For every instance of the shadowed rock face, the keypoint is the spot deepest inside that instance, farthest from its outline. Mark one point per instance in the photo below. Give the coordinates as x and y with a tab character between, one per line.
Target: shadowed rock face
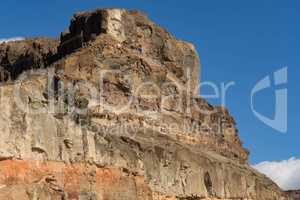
19	56
114	116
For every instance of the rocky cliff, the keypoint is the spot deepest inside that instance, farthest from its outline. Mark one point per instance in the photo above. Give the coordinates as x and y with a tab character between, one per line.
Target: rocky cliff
293	194
111	112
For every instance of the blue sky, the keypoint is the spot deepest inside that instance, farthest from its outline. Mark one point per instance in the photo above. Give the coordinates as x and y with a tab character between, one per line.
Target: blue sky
240	41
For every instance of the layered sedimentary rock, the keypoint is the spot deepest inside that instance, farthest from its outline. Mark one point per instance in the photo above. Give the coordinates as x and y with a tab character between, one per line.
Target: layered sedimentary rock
111	112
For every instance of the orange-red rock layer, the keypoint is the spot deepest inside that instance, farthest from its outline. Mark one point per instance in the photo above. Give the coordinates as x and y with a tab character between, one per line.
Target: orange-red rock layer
24	180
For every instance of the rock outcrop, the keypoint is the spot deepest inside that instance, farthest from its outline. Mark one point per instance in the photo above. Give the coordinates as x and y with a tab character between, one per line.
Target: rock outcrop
111	112
19	56
293	194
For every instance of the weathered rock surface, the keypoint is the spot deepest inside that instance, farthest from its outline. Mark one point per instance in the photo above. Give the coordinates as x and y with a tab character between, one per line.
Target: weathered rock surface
293	194
19	56
114	115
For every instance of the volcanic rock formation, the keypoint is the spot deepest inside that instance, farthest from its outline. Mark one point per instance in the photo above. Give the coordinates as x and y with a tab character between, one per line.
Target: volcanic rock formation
110	112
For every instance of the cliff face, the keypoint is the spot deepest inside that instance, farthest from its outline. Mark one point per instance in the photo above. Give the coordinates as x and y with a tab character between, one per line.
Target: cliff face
18	56
293	194
110	112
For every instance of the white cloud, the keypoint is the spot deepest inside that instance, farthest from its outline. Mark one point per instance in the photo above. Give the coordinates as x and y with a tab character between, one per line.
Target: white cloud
10	39
285	173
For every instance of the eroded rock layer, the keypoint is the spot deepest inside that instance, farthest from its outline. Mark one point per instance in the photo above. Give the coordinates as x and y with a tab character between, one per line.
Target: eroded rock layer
112	114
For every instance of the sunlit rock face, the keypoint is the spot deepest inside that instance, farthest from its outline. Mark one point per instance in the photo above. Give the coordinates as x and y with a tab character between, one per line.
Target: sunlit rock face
110	112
